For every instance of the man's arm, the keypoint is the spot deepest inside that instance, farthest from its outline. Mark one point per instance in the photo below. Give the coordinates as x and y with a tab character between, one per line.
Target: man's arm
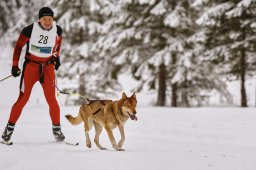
56	59
22	40
59	41
18	47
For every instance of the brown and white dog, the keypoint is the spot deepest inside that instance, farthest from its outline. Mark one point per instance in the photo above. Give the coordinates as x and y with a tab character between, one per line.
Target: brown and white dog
108	114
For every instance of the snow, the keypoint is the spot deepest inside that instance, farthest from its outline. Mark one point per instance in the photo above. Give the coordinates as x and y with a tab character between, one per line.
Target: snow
83	50
94	6
150	2
172	20
236	12
245	3
207	18
159	9
199	3
162	138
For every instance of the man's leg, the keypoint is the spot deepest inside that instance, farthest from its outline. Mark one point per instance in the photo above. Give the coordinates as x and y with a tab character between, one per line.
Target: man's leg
49	93
54	109
27	82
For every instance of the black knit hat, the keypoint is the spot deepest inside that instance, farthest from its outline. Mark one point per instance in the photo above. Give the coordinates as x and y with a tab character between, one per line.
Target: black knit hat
45	11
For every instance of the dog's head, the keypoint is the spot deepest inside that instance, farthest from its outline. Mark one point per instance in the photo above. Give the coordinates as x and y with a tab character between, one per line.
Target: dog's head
129	106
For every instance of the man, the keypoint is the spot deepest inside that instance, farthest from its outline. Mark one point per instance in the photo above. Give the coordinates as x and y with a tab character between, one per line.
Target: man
43	39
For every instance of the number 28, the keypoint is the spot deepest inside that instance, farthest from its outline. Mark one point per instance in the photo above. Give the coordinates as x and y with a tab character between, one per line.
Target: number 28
43	39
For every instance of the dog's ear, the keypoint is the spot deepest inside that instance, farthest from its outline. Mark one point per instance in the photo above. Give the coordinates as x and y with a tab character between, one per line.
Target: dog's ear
133	95
124	96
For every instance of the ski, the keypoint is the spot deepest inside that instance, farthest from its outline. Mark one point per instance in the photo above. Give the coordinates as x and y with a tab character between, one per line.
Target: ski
72	144
6	143
65	142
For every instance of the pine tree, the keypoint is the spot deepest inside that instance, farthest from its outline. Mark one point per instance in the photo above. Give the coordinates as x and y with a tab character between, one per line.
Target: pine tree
81	22
151	40
229	26
14	15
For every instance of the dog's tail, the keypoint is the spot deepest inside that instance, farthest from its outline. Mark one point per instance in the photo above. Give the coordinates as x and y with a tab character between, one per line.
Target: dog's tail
74	120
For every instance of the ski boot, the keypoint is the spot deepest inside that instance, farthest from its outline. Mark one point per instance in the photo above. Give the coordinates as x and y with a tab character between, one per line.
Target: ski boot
6	136
58	135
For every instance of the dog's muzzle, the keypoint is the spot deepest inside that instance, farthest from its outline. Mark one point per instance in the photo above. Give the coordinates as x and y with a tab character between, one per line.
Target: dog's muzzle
133	117
129	113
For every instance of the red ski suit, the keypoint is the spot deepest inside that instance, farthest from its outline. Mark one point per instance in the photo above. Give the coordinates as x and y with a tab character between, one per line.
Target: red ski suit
35	68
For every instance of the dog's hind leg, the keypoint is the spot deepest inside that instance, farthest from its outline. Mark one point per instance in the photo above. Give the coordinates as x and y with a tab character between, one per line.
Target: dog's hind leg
121	129
98	130
87	127
112	139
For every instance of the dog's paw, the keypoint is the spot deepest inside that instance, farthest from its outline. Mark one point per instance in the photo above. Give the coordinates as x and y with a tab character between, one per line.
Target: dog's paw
117	148
120	145
89	145
103	148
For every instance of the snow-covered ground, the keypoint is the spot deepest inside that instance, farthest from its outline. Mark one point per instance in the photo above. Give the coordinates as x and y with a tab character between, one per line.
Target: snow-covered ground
162	138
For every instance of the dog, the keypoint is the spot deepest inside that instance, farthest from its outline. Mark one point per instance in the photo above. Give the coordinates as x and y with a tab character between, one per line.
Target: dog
108	114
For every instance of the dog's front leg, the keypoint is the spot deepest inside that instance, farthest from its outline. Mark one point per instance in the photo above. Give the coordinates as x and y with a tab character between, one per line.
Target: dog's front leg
121	129
112	139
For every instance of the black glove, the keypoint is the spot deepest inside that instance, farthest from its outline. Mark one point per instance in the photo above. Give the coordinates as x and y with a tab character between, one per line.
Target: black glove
56	62
15	71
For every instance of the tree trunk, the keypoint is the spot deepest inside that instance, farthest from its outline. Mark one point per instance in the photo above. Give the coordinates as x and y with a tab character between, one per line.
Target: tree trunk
174	86
243	74
184	95
82	89
174	95
161	86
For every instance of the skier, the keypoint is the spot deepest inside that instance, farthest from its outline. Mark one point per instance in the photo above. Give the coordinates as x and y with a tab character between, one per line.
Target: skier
43	39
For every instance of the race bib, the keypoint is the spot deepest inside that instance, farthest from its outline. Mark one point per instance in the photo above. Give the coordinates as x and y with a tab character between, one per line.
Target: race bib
42	41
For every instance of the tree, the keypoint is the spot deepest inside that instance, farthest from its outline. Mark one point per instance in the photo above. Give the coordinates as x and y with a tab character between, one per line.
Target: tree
142	36
14	15
229	27
81	22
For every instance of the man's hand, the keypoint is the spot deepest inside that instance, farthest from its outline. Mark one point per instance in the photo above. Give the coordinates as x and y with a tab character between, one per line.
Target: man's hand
15	71
56	62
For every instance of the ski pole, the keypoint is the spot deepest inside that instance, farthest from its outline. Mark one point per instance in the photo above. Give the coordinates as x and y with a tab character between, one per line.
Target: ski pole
6	78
